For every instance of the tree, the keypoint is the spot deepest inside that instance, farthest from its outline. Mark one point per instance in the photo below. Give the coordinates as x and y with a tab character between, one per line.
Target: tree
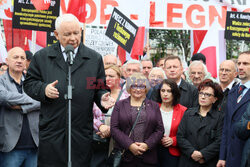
175	40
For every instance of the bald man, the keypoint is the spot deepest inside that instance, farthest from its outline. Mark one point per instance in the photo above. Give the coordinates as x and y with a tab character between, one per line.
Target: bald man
19	115
227	77
110	60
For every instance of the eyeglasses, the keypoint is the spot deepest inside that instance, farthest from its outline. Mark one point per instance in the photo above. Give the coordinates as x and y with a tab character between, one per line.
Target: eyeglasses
138	86
205	94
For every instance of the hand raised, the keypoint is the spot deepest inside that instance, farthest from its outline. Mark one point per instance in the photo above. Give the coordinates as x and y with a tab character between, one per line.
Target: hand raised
51	91
107	101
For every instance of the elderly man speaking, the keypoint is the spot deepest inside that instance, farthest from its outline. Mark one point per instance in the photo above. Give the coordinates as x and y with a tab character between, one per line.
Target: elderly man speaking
47	80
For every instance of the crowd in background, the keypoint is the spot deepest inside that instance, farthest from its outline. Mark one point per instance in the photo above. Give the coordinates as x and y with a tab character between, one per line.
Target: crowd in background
183	118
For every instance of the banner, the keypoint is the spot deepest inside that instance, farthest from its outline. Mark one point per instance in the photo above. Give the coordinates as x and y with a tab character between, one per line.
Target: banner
35	14
238	26
121	30
96	39
167	14
162	14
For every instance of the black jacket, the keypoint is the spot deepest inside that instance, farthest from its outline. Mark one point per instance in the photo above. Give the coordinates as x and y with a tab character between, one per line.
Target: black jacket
202	134
189	94
47	66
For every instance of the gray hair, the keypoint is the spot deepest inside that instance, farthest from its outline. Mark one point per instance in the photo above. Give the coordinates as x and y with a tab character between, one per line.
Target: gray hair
65	18
132	61
158	68
207	74
196	63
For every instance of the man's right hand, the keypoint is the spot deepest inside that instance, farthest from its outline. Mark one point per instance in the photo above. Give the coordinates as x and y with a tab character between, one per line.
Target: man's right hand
51	91
221	163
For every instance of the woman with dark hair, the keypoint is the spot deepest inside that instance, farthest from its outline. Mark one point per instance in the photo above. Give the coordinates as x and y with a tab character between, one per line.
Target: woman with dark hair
172	112
199	133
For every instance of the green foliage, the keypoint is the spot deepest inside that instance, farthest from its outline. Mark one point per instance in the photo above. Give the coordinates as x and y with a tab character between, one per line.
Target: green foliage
234	47
175	40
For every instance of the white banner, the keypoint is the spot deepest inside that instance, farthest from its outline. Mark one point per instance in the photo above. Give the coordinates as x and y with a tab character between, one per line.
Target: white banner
96	39
167	14
164	14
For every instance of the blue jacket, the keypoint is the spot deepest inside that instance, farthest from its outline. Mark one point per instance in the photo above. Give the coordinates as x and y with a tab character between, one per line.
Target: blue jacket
240	129
232	146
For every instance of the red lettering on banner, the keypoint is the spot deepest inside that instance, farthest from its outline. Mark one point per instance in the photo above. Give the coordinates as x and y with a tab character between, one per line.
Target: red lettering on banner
198	17
152	22
93	11
104	3
171	15
214	13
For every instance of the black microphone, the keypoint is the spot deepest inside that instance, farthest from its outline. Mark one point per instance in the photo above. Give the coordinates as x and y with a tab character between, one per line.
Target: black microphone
69	50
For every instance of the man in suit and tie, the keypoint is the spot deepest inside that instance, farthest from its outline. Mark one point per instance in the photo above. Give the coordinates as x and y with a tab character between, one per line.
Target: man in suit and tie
47	81
19	116
237	102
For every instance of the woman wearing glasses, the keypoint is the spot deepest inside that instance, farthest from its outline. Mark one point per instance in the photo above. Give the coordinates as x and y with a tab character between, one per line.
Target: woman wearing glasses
199	133
172	112
139	144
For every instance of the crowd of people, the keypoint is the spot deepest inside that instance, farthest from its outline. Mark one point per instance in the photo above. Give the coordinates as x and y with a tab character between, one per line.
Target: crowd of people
162	116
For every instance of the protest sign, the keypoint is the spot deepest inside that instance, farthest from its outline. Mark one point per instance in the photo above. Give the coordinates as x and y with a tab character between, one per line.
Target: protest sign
238	26
35	14
121	30
96	39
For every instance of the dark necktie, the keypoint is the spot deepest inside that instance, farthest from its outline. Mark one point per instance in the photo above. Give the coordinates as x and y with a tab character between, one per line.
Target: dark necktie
241	88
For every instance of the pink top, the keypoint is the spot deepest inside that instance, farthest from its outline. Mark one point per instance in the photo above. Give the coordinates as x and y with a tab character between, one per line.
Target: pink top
99	117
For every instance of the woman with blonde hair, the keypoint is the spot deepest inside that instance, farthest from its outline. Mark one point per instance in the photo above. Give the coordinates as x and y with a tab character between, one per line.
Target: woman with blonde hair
101	135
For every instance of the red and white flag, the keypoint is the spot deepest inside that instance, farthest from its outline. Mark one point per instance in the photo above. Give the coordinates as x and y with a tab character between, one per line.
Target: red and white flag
212	44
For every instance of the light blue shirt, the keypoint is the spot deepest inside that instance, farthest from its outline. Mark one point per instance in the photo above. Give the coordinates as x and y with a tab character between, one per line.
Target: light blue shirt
247	85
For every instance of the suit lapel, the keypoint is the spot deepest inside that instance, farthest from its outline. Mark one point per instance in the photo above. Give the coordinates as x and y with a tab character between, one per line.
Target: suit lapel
59	60
9	84
148	107
244	100
126	106
80	57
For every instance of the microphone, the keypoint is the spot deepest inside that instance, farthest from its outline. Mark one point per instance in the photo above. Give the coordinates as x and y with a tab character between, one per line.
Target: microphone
69	50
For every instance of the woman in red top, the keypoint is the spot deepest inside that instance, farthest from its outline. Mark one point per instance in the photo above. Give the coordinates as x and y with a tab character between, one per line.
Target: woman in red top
172	112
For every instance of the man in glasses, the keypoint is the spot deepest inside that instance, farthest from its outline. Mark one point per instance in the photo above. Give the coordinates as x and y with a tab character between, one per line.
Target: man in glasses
238	99
227	77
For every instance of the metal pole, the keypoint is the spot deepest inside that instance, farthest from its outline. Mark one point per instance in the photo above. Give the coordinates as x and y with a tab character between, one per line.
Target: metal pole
69	97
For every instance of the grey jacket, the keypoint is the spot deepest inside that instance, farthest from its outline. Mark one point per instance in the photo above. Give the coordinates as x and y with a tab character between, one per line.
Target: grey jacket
11	120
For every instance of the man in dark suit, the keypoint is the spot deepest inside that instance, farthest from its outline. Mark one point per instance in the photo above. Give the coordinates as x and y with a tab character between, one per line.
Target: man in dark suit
238	98
227	77
242	130
173	69
47	82
19	116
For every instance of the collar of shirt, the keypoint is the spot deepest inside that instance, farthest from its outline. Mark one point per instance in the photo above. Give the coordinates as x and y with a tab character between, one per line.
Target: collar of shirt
12	79
178	84
229	86
209	113
247	85
64	54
